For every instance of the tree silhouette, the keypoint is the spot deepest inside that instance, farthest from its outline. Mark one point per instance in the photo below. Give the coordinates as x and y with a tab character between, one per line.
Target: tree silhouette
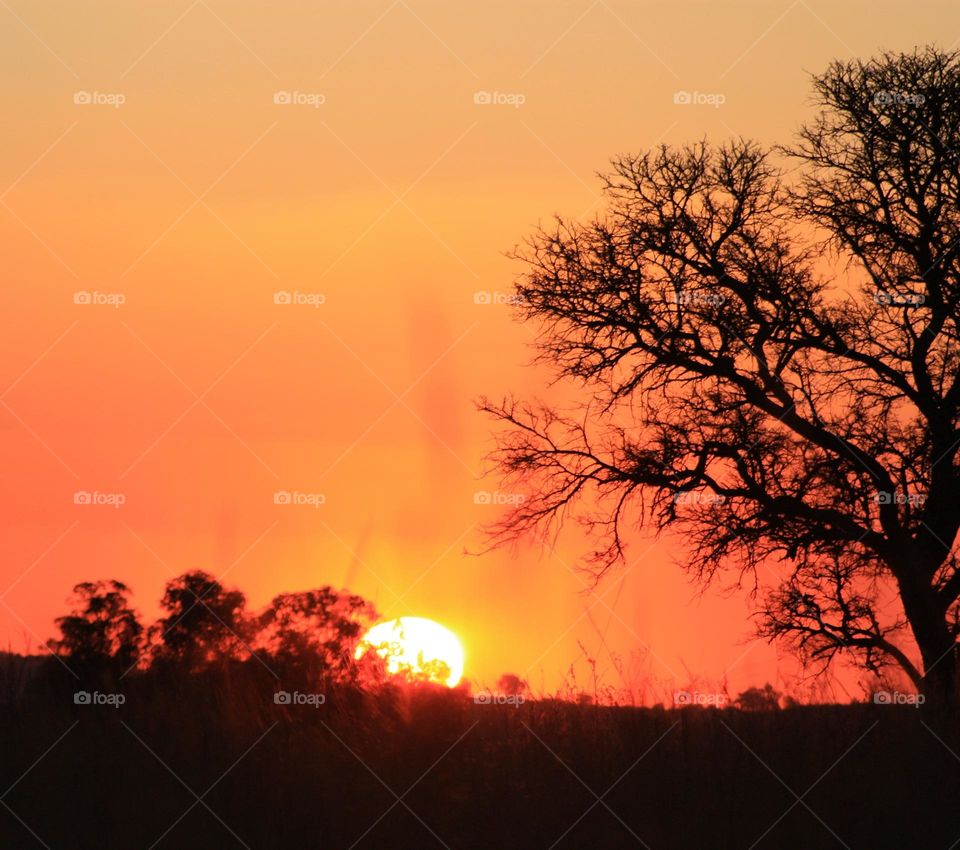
741	390
204	622
103	630
766	698
512	685
316	629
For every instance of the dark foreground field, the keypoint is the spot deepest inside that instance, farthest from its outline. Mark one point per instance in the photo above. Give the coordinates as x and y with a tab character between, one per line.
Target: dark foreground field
213	762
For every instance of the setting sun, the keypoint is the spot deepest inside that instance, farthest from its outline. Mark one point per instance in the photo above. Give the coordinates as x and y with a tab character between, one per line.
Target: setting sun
416	648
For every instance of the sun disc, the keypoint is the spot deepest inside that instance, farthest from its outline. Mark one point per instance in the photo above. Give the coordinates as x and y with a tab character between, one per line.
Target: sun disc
417	648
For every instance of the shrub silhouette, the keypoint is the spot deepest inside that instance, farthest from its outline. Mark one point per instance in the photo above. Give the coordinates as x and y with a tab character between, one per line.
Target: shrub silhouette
512	685
766	698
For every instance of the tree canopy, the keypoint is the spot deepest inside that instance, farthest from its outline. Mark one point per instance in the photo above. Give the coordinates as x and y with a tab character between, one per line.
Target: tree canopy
767	346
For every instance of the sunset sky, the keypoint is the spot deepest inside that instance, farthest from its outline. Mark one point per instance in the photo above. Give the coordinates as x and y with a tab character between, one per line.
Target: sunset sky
149	153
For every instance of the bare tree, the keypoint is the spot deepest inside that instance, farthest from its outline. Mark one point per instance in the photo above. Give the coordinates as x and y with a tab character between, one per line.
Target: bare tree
774	408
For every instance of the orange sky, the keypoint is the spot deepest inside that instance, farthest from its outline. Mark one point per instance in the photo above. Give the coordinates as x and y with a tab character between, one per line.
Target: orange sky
199	197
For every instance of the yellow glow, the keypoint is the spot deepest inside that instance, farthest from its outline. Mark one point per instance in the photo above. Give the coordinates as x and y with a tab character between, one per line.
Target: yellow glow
417	648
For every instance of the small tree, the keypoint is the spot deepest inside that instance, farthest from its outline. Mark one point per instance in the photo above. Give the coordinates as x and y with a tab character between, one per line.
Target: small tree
512	685
740	393
204	622
766	698
102	630
316	629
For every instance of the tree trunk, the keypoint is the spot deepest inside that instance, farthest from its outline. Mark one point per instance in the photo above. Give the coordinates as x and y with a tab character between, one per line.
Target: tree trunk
938	649
940	677
927	615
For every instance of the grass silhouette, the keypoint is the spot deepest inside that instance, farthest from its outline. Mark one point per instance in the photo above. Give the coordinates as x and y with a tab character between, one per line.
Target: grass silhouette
211	760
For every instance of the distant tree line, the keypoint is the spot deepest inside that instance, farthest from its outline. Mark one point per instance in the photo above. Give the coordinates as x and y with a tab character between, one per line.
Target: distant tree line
313	633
